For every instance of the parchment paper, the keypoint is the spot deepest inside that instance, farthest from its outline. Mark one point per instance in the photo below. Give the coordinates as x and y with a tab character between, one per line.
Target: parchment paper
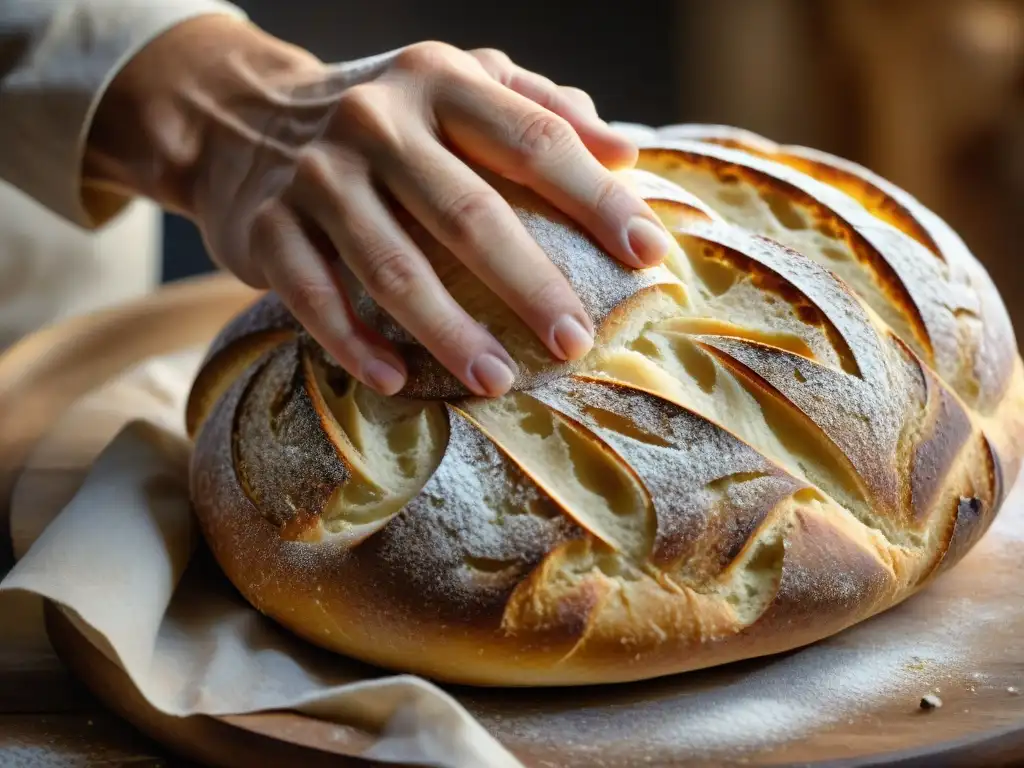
116	548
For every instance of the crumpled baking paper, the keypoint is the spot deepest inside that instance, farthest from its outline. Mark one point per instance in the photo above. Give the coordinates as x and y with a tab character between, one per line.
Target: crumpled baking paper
114	543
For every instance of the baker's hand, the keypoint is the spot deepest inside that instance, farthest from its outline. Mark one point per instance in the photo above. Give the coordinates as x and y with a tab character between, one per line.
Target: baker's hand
287	165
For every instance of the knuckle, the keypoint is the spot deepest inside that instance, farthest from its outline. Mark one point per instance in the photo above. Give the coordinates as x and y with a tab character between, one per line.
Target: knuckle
449	331
495	55
390	273
358	102
427	57
543	133
312	168
472	213
496	63
362	111
264	222
308	296
578	96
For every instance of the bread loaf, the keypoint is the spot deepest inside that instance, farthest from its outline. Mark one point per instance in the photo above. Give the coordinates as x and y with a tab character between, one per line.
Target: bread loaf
806	414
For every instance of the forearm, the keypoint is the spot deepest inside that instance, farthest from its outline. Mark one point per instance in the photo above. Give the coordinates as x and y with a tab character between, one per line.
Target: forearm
57	58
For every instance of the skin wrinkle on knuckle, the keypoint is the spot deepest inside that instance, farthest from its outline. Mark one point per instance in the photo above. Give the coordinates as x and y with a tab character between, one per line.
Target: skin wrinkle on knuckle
308	296
472	217
542	135
389	274
450	332
609	194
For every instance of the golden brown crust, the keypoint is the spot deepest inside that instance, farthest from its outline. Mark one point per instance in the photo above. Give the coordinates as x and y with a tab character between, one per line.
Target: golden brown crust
265	325
995	352
757	454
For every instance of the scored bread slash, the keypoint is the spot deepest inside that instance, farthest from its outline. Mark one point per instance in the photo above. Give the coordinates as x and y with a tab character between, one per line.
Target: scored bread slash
797	421
990	345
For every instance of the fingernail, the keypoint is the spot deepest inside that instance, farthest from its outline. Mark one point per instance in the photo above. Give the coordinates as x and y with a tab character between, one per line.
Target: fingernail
571	338
492	374
383	377
648	242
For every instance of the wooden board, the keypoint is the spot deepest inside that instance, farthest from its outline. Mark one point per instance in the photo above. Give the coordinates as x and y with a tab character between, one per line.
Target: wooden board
981	722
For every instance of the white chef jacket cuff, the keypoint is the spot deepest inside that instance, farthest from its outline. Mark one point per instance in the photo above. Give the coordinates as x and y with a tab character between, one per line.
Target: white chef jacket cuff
48	100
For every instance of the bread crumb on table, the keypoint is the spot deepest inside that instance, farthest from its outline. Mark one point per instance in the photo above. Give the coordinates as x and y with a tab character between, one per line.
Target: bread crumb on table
930	701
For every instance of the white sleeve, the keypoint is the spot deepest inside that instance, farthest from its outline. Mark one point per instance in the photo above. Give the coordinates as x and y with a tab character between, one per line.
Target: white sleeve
57	57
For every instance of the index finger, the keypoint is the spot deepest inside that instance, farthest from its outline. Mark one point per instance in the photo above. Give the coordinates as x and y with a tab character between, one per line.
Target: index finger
610	147
517	138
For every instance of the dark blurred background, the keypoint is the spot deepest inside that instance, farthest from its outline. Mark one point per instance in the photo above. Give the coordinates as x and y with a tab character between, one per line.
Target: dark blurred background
929	93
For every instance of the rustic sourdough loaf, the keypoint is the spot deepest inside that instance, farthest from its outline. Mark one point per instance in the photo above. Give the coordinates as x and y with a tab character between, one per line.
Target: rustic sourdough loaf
807	413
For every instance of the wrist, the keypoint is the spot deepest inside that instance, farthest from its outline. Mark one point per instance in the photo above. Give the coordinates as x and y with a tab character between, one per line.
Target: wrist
153	127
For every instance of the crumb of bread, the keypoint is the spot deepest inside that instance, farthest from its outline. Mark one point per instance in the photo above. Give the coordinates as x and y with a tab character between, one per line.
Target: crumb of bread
930	701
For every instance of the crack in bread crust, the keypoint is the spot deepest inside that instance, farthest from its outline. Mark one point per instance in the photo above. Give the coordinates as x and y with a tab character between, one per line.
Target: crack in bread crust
973	293
799	420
